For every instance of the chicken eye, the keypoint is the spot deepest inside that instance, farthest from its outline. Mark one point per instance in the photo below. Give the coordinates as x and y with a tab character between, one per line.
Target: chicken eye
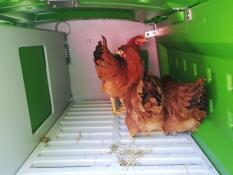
122	52
141	39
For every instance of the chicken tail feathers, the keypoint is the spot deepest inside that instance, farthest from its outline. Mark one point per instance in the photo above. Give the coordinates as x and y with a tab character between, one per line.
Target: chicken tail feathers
104	41
200	98
186	99
98	52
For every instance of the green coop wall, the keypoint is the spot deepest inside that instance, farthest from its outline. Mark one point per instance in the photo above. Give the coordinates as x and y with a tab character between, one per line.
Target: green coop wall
203	47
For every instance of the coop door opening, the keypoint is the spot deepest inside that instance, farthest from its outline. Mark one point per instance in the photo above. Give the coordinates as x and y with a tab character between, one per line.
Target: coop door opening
33	65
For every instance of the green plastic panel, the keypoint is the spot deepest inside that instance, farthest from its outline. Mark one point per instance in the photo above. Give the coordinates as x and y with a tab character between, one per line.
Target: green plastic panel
163	55
203	47
86	13
31	12
177	17
36	84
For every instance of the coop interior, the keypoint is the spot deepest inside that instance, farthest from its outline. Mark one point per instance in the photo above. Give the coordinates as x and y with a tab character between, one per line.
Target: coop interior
56	120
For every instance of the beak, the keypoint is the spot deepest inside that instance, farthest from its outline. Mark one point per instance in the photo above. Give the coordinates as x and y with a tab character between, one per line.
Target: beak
145	40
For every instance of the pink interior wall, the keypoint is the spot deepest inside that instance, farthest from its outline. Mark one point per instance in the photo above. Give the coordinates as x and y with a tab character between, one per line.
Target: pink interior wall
82	41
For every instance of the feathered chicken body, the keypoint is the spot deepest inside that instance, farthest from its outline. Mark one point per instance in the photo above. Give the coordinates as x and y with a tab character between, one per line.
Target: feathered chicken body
131	52
165	106
185	105
144	104
117	71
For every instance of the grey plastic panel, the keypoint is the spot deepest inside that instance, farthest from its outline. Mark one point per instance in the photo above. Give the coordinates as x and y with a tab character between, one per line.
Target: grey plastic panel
15	128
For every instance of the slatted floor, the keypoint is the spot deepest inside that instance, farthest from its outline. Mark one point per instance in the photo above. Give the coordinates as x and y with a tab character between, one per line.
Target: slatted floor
89	140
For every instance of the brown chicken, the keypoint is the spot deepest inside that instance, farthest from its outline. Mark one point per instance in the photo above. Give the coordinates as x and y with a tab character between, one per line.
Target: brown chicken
118	71
185	105
131	52
165	106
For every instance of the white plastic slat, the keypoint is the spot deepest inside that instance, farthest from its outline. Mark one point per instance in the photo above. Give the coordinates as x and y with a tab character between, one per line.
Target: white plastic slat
89	112
92	109
104	149
87	128
124	133
148	141
164	149
66	161
89	140
74	151
88	118
84	135
86	123
89	106
76	142
168	159
148	170
87	102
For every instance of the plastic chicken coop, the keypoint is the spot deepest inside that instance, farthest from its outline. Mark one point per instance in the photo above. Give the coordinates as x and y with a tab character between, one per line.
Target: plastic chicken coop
54	118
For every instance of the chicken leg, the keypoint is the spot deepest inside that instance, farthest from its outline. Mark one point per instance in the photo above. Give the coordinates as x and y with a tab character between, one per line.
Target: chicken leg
121	109
118	107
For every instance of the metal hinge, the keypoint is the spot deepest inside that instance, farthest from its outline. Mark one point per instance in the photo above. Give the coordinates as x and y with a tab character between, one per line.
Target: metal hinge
67	53
63	3
152	33
188	14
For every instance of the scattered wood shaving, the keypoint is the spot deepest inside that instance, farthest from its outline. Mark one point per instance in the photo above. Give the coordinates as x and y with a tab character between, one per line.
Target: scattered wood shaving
114	148
127	156
44	139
